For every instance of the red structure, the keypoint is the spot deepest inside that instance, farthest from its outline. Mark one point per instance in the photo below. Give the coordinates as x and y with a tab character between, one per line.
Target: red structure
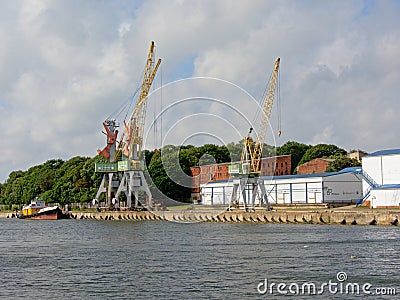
111	139
315	166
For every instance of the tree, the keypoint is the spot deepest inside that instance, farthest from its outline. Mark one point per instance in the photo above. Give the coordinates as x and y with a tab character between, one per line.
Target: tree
148	155
163	163
75	180
169	168
322	151
219	153
235	150
341	163
295	149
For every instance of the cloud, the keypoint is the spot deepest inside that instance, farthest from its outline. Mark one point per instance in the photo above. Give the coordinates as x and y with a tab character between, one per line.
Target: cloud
68	65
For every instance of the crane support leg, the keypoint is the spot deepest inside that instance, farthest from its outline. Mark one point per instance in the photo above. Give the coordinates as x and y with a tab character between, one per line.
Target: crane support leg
253	195
132	182
144	187
107	186
234	201
264	195
243	183
102	187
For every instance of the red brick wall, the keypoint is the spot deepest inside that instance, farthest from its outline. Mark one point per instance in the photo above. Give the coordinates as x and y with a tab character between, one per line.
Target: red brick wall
275	166
317	165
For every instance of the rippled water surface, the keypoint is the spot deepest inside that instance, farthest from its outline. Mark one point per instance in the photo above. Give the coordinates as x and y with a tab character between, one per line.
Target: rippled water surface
71	259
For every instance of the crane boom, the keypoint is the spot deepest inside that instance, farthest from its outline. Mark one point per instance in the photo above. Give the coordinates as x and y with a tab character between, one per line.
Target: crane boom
138	117
125	174
253	151
133	130
247	174
262	129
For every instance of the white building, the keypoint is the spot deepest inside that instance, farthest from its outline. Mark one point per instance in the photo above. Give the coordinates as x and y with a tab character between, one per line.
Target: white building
381	183
337	187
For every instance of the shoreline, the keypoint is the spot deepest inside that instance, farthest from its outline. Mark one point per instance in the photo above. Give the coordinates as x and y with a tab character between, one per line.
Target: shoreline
338	217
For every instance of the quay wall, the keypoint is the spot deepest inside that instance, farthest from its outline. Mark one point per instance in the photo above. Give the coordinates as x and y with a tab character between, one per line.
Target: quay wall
367	217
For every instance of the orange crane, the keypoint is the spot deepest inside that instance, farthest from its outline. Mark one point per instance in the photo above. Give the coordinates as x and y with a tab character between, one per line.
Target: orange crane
126	175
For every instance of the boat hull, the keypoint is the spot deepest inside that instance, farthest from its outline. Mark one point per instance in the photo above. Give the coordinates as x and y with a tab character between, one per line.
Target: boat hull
55	214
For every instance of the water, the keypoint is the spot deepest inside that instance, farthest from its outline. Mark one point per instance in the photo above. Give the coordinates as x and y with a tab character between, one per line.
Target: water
71	259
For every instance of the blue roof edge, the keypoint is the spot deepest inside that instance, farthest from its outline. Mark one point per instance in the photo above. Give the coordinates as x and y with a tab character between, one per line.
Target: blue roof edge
387	186
354	170
385	152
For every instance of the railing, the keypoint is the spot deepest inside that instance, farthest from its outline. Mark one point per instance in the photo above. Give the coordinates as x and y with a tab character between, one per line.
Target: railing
372	185
365	196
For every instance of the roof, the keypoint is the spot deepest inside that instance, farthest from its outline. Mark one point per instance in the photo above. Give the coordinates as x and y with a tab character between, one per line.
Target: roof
388	186
346	170
238	162
385	152
354	170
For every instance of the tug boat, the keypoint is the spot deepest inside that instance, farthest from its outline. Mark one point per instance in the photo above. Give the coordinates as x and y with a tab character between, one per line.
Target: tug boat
39	210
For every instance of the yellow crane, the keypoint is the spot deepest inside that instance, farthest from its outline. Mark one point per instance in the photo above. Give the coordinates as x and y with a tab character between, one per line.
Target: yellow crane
124	170
132	138
249	168
252	152
132	164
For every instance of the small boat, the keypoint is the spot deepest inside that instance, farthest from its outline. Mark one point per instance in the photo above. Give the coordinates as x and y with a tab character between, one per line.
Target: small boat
39	210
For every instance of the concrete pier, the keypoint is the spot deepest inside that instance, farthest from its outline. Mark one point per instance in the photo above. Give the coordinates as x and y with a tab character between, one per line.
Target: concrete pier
345	217
361	217
7	215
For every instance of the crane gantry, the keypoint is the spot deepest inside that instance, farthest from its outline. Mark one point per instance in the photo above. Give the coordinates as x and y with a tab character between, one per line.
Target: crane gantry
248	171
124	170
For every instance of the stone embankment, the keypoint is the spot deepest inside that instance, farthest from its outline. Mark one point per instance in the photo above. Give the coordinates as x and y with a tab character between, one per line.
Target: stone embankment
356	217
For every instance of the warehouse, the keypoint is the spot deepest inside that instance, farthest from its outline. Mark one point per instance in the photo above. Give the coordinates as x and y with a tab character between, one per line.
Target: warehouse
270	166
344	187
381	182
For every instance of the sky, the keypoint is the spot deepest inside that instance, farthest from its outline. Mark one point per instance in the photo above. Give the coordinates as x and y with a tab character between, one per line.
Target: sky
68	65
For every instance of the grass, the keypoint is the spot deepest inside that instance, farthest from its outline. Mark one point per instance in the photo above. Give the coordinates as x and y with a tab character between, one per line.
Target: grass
180	207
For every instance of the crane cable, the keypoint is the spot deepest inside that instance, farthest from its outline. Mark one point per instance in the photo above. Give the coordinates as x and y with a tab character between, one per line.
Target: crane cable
279	105
125	105
139	86
278	100
260	104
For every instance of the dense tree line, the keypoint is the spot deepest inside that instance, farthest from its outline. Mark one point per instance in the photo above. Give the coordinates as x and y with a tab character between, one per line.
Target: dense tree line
74	180
54	181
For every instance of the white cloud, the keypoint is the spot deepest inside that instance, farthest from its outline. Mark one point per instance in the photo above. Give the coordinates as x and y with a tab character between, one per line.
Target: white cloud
124	28
67	65
326	136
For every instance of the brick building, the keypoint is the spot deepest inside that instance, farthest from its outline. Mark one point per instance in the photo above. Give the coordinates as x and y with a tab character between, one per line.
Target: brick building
270	166
315	166
276	166
358	155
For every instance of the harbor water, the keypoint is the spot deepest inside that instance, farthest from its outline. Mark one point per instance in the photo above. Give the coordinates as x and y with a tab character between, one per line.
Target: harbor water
86	259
